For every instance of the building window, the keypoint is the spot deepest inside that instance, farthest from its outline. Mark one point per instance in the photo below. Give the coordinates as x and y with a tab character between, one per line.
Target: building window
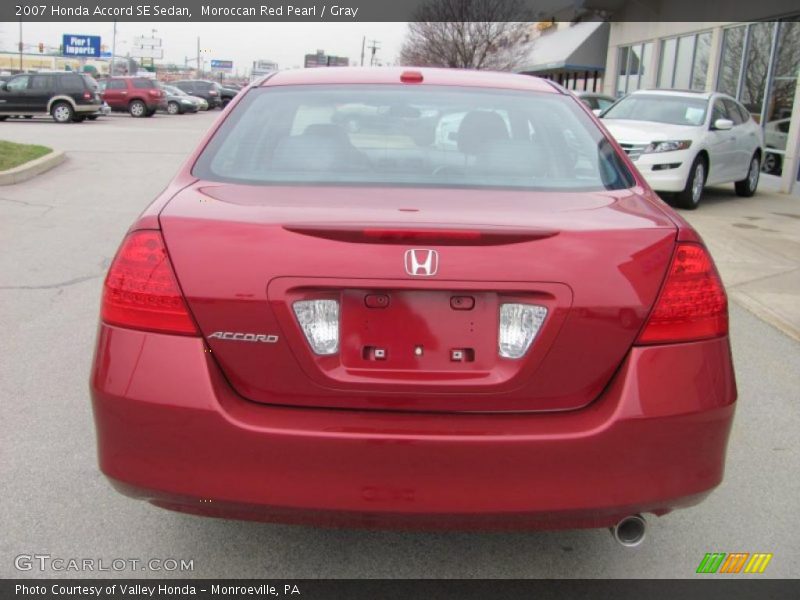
702	55
633	70
756	72
684	61
731	62
759	67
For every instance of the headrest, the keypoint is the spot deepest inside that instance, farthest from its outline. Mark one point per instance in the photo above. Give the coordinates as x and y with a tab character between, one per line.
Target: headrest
478	127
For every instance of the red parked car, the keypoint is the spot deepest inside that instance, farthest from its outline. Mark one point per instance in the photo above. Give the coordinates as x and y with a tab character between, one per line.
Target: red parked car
139	96
484	319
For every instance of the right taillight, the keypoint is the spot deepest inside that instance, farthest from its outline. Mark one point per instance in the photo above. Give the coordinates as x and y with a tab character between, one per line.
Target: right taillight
692	304
141	291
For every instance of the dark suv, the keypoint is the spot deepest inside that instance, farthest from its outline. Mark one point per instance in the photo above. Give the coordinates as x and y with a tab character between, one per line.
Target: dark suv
66	96
210	91
139	96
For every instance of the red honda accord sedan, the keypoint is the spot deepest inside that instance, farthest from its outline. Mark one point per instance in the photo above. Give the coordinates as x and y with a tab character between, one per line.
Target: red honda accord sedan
413	298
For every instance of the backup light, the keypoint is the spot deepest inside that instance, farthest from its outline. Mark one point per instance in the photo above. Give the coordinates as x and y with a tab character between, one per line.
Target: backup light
519	324
319	320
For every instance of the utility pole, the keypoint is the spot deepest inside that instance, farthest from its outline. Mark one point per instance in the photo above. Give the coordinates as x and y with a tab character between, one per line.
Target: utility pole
374	46
153	60
113	49
363	43
20	45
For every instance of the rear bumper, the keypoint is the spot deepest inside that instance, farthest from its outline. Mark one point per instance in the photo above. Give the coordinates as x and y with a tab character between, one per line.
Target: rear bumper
95	107
170	430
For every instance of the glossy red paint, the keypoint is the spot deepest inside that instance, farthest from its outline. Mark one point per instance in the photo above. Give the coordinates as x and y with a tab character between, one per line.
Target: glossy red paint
186	437
578	433
209	228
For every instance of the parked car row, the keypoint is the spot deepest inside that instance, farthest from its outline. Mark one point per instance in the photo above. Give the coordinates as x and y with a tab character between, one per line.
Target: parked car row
73	97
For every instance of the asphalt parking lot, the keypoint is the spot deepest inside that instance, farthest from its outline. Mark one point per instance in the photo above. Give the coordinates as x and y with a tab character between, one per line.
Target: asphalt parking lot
58	233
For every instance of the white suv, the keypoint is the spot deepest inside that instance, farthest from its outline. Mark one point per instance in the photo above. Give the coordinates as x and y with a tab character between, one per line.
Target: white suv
682	141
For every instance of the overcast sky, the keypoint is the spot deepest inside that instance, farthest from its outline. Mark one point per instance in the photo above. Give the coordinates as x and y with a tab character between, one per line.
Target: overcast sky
284	43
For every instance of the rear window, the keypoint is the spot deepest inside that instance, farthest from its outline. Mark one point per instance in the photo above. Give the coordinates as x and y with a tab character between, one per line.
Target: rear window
144	84
671	110
401	135
72	83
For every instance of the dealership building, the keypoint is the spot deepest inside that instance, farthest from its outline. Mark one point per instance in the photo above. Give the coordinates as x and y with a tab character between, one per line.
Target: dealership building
756	60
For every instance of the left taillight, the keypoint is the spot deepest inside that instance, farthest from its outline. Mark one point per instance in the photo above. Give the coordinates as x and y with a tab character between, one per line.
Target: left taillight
141	290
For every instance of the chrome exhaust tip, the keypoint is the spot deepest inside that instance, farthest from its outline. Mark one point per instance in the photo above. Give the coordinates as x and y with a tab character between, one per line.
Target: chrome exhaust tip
630	531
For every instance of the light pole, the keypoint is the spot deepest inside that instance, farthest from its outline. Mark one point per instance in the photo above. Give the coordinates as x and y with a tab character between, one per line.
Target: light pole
113	49
20	45
198	58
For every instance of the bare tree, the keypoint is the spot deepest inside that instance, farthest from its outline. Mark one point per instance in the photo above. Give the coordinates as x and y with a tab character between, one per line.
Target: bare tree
471	34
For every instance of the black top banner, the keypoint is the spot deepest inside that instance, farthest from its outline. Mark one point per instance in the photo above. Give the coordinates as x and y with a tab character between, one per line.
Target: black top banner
394	10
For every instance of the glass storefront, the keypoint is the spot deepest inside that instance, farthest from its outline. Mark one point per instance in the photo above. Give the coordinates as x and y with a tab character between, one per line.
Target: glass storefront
633	71
731	60
759	66
684	62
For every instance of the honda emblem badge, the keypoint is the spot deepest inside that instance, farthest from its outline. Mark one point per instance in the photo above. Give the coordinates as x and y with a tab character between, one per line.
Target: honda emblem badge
422	262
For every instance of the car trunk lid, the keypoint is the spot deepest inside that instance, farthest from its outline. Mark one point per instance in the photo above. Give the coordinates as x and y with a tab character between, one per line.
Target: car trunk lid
245	254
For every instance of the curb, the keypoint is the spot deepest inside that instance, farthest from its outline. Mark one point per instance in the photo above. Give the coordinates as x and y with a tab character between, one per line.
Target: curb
31	169
766	315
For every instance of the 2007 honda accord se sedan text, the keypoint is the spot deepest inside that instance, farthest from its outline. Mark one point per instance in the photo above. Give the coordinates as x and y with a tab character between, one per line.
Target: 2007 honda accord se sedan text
413	298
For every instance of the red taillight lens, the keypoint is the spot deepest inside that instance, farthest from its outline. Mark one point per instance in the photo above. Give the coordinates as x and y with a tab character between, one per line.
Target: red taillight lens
141	291
692	304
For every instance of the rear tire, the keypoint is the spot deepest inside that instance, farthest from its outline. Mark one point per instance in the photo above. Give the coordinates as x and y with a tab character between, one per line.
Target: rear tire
3	118
28	116
747	187
150	113
62	112
137	109
78	118
173	108
92	117
690	197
